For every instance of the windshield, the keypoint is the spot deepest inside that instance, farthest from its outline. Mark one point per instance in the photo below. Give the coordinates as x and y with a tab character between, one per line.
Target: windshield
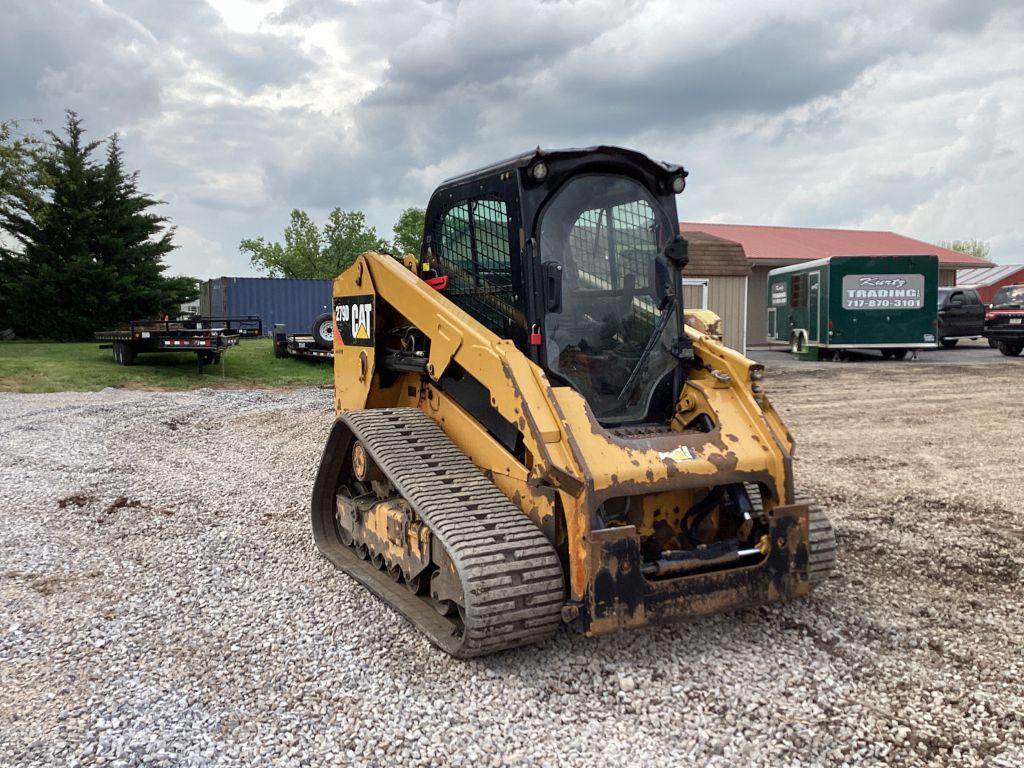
1010	297
609	339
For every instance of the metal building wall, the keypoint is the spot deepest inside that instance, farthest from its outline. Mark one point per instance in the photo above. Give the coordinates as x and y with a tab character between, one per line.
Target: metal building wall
757	305
727	297
289	301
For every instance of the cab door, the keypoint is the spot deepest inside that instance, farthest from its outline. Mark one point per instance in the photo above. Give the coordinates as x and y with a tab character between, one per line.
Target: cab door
974	312
954	315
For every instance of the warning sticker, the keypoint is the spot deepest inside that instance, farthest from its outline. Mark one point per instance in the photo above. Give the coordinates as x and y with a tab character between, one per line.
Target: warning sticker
353	317
682	453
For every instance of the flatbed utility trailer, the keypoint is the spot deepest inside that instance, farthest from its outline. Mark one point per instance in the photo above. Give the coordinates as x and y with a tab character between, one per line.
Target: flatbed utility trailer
888	303
299	345
208	337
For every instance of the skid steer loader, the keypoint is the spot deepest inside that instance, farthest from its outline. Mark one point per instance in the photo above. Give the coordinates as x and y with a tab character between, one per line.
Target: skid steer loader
528	432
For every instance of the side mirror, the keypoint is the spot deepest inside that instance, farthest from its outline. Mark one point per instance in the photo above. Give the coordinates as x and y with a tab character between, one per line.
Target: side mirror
661	281
552	285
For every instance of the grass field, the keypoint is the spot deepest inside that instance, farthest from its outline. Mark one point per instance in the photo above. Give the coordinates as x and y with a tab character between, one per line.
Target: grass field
28	366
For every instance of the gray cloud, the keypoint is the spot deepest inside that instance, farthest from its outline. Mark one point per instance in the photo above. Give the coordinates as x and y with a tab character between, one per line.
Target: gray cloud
782	112
56	56
246	61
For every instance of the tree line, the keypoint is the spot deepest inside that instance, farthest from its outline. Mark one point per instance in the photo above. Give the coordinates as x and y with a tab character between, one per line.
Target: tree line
323	253
80	247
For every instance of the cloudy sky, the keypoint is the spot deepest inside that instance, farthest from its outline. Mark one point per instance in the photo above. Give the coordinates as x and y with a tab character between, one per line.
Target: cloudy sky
906	116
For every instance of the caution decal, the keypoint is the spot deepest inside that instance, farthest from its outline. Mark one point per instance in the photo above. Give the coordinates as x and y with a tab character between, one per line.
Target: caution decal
353	319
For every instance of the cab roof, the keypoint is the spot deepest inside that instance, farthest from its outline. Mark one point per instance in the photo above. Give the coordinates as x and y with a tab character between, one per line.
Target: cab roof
526	159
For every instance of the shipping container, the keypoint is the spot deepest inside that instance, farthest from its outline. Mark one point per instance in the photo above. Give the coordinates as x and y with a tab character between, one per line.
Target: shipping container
294	303
854	302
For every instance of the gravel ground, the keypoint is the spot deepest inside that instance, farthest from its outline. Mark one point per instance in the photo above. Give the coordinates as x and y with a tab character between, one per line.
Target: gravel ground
161	601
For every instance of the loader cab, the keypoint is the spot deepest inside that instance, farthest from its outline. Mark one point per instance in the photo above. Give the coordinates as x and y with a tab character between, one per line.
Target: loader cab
573	255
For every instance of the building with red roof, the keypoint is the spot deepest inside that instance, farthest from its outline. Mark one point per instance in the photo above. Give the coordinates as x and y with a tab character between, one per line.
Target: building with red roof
770	247
989	280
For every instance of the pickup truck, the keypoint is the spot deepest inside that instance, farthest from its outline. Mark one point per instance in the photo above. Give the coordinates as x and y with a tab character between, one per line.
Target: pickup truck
1004	320
961	315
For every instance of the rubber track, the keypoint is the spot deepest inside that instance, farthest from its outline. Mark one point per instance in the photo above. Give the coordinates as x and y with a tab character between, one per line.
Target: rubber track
511	576
821	544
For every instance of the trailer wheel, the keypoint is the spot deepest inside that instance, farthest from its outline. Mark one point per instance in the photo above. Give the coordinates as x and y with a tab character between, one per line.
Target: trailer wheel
948	343
323	331
208	358
898	354
1010	350
991	343
123	354
796	342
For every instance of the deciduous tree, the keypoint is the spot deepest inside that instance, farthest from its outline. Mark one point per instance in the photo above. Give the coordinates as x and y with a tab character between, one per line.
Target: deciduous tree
308	252
977	248
409	231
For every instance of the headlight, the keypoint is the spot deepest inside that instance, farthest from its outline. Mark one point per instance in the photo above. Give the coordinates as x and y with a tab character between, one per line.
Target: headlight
678	184
539	171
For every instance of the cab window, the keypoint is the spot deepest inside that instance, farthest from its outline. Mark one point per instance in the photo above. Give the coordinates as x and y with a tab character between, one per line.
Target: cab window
474	250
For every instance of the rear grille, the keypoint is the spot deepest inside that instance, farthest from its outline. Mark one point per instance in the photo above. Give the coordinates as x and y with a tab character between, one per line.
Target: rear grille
641	431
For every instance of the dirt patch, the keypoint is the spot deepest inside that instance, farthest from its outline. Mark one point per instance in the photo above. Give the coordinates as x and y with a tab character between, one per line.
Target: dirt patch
75	500
121	502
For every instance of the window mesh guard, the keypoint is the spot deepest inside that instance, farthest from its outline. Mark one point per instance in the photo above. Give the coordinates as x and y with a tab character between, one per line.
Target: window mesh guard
609	244
473	249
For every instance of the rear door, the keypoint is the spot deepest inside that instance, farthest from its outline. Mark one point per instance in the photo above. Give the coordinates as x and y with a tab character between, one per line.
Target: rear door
887	300
814	306
974	314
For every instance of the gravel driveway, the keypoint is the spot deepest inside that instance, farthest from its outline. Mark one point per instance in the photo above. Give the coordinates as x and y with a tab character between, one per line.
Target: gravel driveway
161	601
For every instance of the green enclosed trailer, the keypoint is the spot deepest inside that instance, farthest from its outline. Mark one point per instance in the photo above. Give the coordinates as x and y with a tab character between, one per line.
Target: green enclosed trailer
888	303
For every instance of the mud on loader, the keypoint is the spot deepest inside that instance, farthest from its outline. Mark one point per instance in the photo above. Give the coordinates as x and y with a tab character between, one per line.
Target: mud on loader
529	433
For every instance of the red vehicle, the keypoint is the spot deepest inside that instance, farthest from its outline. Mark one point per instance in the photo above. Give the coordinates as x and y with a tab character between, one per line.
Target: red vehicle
1004	320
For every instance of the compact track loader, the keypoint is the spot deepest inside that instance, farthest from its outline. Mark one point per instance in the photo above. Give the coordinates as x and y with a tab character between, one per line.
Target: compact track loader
530	434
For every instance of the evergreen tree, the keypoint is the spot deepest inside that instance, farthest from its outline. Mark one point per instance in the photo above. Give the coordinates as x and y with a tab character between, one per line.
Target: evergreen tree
131	242
91	250
52	278
20	185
